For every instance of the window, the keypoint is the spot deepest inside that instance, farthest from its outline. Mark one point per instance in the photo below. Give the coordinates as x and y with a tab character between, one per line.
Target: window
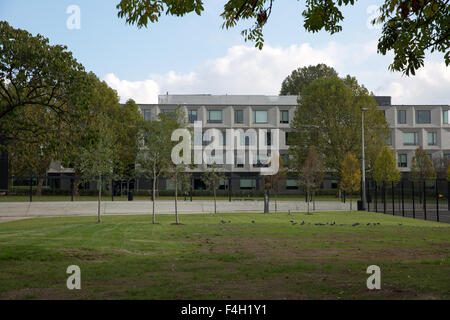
247	183
223	184
432	138
147	115
260	116
287	138
284	116
447	156
170	114
268	138
401	115
192	116
423	116
214	116
445	116
238	116
291	184
410	138
238	161
402	161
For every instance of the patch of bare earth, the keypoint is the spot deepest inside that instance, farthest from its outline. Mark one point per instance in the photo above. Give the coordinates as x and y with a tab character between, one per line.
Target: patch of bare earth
83	254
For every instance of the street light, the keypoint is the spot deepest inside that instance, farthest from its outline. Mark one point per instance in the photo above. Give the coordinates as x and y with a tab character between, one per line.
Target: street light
363	171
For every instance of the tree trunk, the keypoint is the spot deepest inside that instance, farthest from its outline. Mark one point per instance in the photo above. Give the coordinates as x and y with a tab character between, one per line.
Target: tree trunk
307	197
99	197
176	196
153	192
350	196
76	182
215	211
314	200
39	186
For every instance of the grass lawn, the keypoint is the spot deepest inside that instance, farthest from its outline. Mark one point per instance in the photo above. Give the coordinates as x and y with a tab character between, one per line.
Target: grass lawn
126	257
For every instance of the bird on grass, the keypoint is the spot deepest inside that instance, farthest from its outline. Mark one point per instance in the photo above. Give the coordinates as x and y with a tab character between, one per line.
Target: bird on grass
400	224
355	224
253	221
223	222
368	224
229	221
303	222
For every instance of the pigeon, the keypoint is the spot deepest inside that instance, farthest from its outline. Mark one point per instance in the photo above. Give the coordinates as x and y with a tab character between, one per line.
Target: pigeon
355	224
229	221
223	222
341	224
253	221
291	221
334	222
400	224
303	222
368	224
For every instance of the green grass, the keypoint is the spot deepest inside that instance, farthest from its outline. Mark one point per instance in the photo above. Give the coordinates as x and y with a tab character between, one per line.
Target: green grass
17	198
126	257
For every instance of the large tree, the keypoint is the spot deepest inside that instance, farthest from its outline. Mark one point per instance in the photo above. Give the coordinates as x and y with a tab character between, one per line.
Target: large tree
410	27
329	118
294	83
35	74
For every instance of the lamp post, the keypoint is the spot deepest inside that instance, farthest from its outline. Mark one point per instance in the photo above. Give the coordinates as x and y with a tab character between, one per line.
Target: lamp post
363	166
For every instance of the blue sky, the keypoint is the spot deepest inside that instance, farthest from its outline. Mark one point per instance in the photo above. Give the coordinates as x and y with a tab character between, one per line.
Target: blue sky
194	55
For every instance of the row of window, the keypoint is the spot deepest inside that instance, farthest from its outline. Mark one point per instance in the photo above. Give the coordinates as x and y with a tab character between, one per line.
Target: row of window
245	139
412	138
216	116
403	159
422	116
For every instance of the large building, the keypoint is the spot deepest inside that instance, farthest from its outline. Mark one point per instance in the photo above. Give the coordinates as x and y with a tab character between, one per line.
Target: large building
412	126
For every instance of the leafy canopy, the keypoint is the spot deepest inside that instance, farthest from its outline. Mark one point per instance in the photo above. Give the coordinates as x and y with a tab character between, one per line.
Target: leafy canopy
329	118
410	27
422	167
385	169
350	174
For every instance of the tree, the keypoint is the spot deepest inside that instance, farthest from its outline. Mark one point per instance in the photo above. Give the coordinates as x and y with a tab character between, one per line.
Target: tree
440	165
311	174
32	155
154	156
180	180
422	169
350	175
385	169
409	27
329	118
35	74
97	159
273	182
212	177
294	84
125	121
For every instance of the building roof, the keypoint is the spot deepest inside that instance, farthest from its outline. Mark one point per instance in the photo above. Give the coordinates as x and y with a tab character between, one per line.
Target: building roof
208	99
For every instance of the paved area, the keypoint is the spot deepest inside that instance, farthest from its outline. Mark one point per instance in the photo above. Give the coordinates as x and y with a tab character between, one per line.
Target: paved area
87	208
7	219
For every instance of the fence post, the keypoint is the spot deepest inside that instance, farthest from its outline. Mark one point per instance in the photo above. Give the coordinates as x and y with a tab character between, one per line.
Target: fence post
437	202
424	201
403	200
384	197
393	201
414	205
448	195
376	197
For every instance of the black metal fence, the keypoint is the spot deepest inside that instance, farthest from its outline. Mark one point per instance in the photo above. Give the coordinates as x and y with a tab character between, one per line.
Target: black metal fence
427	200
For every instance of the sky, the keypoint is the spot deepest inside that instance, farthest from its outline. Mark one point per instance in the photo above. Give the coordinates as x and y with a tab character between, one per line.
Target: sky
194	55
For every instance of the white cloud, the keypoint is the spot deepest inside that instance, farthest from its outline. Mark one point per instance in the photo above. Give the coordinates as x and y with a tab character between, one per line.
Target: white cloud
247	70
